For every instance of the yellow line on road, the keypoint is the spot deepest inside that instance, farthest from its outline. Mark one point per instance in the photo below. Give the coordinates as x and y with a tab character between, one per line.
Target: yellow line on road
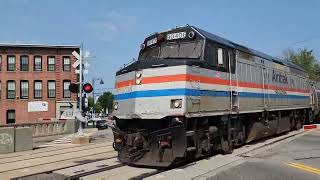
304	167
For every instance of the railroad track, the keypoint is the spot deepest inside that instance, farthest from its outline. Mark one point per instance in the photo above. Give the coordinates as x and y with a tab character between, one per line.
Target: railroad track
99	162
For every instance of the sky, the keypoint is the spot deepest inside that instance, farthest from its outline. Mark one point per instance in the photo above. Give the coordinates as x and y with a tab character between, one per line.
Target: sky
112	31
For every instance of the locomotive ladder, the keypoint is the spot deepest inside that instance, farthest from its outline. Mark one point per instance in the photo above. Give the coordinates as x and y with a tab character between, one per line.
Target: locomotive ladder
234	95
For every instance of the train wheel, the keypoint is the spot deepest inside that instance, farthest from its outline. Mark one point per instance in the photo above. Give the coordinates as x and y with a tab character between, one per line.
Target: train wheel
310	117
298	125
226	146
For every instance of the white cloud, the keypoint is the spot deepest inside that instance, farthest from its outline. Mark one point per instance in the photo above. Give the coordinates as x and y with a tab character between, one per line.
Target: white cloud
109	27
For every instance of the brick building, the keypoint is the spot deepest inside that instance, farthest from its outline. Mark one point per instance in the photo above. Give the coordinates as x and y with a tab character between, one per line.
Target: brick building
34	81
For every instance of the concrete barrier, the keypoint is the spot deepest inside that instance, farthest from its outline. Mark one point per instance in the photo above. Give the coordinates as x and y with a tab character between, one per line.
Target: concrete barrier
19	137
49	128
23	139
6	140
71	126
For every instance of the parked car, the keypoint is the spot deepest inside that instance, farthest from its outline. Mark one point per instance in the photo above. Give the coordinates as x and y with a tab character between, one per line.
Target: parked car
101	124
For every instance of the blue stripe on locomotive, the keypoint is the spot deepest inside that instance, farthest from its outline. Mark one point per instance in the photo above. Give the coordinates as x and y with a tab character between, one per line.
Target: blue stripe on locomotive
195	92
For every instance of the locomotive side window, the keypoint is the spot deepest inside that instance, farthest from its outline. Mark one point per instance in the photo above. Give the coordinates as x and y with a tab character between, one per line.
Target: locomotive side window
220	56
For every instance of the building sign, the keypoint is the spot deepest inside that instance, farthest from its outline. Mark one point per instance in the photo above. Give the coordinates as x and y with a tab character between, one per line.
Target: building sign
37	106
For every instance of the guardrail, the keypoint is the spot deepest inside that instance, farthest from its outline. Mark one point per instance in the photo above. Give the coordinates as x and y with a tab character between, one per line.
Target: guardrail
48	128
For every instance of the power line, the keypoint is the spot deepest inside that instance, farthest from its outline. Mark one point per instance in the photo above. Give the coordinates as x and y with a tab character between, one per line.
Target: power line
306	40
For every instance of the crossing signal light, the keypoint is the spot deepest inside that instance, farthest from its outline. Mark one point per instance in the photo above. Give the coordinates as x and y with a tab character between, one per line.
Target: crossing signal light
87	88
74	88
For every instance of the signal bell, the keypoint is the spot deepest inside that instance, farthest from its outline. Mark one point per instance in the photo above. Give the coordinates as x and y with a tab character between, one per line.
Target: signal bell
87	87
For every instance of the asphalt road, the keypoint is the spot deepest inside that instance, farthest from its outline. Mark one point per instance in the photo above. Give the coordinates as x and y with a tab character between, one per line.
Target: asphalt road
298	159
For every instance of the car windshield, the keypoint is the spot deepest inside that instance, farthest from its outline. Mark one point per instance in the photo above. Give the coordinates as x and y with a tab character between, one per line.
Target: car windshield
191	50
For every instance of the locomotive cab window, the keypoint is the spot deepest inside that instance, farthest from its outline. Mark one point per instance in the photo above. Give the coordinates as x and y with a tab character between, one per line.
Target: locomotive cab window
173	50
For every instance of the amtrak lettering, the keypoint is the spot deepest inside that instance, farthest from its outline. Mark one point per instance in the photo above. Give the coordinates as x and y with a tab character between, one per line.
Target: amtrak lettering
277	77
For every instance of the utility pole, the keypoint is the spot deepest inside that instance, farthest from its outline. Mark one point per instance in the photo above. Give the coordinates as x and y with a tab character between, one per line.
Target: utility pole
93	110
93	95
80	86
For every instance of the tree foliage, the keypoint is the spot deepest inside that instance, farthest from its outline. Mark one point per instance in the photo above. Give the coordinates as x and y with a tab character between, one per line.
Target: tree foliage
106	101
97	106
305	59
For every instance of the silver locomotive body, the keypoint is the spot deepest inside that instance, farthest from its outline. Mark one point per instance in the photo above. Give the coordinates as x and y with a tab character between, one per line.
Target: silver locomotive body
192	93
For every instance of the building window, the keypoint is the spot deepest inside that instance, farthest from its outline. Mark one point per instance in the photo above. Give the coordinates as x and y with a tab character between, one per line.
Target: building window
11	89
51	64
11	63
0	63
37	89
24	63
66	92
66	64
37	63
11	116
24	89
51	89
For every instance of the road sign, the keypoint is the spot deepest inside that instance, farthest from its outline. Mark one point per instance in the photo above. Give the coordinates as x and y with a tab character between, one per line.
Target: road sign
85	71
75	54
76	64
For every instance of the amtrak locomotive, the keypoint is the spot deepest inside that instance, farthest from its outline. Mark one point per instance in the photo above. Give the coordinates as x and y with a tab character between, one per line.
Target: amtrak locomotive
192	93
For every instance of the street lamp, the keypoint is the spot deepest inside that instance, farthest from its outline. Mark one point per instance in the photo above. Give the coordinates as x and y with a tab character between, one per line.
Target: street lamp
101	82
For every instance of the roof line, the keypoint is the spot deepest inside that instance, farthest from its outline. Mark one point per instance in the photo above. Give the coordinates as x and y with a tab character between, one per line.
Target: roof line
38	45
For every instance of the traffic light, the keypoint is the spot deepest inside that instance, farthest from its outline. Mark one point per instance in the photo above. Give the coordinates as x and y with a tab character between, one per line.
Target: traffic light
74	88
87	87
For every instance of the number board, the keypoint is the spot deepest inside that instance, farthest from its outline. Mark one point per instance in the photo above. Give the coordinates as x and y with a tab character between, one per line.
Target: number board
152	41
178	35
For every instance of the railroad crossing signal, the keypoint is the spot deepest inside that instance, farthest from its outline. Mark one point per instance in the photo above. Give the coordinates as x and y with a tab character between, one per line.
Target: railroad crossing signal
74	88
85	64
87	87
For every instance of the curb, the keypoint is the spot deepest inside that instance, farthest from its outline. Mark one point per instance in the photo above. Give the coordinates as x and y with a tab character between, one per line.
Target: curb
311	127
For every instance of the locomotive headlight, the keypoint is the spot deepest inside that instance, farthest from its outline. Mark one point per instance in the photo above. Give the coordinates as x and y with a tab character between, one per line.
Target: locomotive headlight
176	103
115	106
138	77
138	81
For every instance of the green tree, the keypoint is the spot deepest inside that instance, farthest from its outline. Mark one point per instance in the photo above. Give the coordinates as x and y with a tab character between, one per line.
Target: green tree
97	105
106	101
90	102
305	59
